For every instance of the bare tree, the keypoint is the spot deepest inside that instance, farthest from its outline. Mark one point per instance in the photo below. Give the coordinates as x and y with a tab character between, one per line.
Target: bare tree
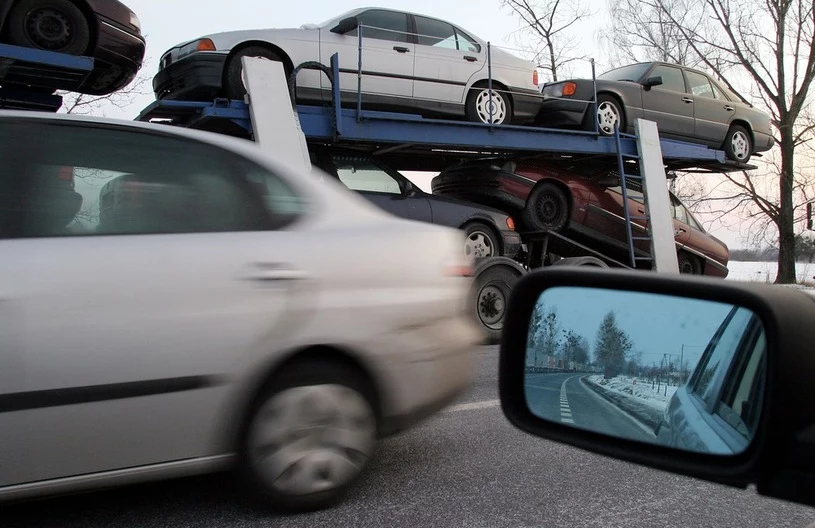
768	46
550	24
77	103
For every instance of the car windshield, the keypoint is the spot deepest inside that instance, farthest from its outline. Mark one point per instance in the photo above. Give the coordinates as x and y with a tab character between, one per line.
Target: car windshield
632	72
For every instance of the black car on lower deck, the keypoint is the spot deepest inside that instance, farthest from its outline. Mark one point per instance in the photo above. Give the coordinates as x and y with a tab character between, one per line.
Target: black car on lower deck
489	232
106	30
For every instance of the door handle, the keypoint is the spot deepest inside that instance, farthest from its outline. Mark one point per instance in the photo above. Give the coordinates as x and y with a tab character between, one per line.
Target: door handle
729	108
271	272
688	100
470	58
401	49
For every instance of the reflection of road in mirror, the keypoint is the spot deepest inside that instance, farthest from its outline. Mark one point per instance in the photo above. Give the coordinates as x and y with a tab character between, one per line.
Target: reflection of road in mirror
567	398
680	372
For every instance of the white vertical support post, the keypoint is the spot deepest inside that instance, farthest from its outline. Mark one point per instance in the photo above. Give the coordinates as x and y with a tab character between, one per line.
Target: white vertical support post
657	200
275	123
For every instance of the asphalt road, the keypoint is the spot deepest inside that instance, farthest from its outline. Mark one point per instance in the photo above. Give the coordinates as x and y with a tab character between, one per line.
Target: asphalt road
564	398
466	467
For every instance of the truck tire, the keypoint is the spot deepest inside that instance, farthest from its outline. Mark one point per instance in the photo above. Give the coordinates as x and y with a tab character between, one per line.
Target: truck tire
581	261
494	279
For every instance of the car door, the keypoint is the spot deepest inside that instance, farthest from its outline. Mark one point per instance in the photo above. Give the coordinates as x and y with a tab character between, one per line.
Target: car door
669	104
134	288
446	59
712	111
387	55
386	190
682	228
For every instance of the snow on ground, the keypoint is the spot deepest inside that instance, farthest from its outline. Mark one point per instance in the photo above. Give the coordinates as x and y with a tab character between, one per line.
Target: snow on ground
639	388
765	271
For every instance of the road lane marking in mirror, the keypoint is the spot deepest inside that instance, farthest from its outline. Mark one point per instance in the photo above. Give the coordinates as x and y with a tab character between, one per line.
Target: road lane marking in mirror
486	404
565	411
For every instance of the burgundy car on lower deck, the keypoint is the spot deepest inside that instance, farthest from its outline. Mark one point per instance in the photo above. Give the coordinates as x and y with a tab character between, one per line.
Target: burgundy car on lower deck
583	201
106	30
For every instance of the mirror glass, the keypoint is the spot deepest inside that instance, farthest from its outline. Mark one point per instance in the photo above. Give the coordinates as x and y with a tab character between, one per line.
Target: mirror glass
680	372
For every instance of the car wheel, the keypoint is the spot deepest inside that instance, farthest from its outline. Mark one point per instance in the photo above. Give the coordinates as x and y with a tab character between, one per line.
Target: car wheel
233	84
489	295
609	115
309	436
479	104
480	241
738	146
547	208
689	264
52	25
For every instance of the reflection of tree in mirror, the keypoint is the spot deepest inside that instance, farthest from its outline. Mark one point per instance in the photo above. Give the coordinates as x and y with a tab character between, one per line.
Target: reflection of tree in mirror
576	350
544	334
612	346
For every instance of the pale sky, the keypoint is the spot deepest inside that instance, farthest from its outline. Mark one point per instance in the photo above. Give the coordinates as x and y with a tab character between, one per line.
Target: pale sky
166	24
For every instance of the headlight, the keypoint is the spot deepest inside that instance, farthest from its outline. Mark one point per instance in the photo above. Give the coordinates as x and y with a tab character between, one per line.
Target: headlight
196	45
135	22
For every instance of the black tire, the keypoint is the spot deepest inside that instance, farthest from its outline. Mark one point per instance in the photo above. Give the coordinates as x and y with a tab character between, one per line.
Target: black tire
689	264
606	103
317	375
489	295
52	25
233	85
480	241
581	261
738	145
547	208
477	105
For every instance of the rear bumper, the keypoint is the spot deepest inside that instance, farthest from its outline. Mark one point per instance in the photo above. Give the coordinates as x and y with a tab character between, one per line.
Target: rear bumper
433	367
197	77
763	141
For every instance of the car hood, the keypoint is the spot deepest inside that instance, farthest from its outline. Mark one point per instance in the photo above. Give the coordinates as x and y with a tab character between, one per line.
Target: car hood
227	39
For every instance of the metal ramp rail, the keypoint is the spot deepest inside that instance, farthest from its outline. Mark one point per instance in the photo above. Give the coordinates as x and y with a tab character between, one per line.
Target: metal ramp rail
28	77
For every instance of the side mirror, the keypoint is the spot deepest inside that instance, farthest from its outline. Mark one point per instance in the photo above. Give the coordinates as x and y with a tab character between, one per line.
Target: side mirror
346	25
650	82
698	376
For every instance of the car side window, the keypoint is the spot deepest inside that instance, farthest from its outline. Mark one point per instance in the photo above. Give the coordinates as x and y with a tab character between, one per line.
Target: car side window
740	405
672	78
718	92
359	174
435	33
719	355
383	25
92	180
467	43
699	85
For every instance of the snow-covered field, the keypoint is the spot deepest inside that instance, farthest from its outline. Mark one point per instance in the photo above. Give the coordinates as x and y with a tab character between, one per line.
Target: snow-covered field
765	271
639	388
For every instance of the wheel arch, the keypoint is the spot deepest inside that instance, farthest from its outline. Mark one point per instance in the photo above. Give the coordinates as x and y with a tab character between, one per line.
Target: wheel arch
740	121
482	82
288	65
489	224
617	97
238	414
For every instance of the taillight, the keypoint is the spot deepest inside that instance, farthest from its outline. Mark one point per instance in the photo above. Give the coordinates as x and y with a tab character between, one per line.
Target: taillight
459	270
535	77
66	173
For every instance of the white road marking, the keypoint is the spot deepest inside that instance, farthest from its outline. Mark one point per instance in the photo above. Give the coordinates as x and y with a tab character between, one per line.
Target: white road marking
565	410
486	404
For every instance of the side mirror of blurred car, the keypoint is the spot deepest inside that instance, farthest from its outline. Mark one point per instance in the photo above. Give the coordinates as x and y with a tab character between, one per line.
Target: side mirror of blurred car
346	25
698	376
650	82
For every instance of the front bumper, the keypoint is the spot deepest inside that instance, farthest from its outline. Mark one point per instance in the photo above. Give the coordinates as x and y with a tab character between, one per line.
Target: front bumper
197	77
557	113
511	243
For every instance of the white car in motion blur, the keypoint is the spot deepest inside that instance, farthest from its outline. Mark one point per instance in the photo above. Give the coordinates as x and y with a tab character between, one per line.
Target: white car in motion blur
409	61
175	302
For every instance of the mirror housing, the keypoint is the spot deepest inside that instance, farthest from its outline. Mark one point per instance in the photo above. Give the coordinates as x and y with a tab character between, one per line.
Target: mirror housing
778	460
346	25
650	82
